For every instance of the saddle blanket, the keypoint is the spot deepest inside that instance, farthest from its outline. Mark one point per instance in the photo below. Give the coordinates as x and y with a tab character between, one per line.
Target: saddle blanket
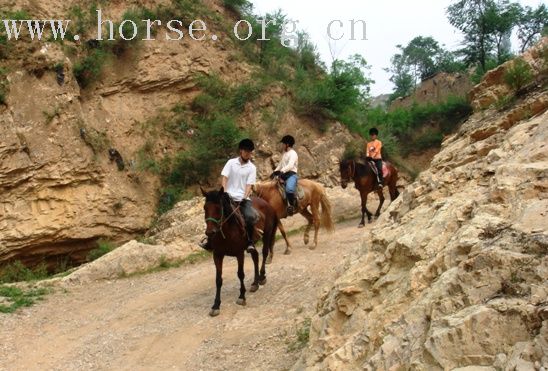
300	192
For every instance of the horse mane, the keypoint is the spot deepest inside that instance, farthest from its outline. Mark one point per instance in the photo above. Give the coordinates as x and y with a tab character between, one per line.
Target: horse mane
260	188
220	198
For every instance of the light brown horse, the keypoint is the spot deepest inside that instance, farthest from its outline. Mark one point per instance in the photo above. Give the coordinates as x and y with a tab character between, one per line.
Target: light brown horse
314	197
365	181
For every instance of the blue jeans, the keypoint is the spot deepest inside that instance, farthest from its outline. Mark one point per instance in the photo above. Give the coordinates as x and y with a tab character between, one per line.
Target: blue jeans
291	184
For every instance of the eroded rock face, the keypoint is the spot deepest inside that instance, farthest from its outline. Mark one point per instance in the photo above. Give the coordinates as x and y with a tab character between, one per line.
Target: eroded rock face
60	192
454	274
436	89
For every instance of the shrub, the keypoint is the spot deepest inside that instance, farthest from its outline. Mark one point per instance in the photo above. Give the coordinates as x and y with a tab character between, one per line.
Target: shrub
17	272
89	68
103	247
519	75
238	5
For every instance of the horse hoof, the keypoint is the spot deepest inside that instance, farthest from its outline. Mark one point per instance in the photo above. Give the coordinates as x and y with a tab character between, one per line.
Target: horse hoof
254	288
214	312
313	247
287	252
241	302
361	225
306	241
269	259
262	282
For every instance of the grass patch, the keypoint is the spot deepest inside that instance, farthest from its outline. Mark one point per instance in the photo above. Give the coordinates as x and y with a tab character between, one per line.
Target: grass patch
164	264
13	298
302	336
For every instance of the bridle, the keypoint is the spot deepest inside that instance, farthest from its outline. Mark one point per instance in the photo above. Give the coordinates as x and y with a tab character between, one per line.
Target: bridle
352	167
221	221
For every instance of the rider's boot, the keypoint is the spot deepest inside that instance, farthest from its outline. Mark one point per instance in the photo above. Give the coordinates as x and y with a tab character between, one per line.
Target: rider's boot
291	204
250	229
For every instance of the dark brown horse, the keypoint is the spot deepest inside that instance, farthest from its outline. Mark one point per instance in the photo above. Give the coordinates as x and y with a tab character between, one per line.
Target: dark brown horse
365	181
227	236
309	207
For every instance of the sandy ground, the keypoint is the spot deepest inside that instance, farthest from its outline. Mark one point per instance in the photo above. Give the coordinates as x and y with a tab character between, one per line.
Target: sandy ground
160	320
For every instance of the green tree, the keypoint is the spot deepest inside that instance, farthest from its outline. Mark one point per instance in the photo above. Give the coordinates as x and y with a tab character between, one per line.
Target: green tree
532	23
501	18
471	17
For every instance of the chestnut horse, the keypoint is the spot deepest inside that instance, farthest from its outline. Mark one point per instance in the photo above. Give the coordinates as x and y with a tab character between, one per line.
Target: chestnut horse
314	196
365	181
227	236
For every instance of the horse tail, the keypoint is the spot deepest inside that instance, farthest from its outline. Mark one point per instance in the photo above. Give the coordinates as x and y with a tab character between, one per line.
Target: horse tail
326	218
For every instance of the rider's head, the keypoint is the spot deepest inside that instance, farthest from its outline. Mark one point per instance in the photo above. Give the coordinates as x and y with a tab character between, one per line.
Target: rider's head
373	133
288	141
246	148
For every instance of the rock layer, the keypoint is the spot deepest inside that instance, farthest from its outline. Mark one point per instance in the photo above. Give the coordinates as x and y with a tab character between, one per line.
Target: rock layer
454	274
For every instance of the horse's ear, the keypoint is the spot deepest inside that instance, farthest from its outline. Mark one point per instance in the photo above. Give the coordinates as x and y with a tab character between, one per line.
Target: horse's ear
222	190
203	192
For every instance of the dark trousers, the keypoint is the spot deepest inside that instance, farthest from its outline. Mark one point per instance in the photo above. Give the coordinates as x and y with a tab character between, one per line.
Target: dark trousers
246	207
378	164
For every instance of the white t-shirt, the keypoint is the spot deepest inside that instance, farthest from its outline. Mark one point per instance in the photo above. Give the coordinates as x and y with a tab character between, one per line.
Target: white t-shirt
239	176
289	162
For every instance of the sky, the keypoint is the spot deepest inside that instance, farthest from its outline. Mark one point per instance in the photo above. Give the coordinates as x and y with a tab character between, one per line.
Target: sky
389	23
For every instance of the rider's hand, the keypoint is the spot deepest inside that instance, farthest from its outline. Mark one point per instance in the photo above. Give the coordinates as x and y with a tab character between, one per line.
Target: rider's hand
275	174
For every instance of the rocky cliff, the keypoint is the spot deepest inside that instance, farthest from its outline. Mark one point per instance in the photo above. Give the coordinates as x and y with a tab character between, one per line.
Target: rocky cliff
60	190
454	274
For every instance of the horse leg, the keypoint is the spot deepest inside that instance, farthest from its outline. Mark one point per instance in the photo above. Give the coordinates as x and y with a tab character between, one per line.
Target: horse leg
381	201
394	193
268	243
241	276
316	220
287	244
310	220
215	310
364	210
255	285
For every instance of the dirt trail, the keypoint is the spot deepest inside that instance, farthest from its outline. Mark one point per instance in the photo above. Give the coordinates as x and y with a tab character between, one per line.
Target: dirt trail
160	321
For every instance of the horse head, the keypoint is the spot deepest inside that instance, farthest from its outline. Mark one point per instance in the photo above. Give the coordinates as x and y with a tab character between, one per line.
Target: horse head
347	169
214	211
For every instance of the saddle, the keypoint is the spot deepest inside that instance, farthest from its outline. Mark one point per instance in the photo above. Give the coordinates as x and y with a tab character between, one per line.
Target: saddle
281	189
385	170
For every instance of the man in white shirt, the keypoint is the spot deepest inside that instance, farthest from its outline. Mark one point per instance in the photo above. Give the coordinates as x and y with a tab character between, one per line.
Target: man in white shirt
287	170
238	177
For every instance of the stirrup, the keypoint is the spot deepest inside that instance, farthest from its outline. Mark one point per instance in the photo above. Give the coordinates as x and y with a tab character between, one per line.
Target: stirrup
290	210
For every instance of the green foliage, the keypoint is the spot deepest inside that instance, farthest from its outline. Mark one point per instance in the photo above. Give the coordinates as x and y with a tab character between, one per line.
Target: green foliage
238	6
505	102
335	95
418	60
218	98
519	75
17	298
17	272
89	69
103	247
532	24
402	130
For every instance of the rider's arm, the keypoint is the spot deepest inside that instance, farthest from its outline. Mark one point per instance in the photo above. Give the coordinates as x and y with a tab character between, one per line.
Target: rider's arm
248	190
224	180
